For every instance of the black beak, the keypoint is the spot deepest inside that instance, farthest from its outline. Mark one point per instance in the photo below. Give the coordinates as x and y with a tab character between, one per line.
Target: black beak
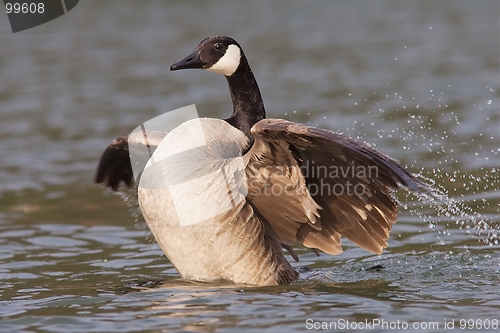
191	61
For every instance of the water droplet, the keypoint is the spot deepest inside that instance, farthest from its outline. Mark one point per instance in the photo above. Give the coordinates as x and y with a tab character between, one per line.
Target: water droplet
489	102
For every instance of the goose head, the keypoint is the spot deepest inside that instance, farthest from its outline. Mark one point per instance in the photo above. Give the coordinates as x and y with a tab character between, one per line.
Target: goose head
223	55
218	54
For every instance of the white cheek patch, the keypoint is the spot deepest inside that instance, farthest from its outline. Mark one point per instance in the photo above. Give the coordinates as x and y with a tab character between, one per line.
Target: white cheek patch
229	62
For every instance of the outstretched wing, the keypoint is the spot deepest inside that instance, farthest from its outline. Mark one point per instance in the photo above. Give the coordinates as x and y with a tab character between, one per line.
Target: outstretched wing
115	166
336	186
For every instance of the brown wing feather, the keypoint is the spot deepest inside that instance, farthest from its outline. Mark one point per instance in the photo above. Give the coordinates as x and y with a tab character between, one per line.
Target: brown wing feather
278	191
114	166
364	217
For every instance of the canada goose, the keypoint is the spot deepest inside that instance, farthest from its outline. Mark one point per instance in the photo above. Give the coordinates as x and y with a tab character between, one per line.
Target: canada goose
249	186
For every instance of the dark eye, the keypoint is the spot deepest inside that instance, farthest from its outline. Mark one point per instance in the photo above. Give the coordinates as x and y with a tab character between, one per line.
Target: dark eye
219	46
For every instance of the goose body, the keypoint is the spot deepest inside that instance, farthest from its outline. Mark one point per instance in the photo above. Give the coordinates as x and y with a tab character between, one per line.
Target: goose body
200	165
222	197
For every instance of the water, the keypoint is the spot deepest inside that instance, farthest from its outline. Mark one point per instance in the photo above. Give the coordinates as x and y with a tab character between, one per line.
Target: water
420	81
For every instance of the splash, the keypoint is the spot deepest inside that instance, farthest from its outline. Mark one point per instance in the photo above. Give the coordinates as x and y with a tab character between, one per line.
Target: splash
129	196
483	228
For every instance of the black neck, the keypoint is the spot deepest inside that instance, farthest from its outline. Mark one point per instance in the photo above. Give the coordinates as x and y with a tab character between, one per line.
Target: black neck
248	107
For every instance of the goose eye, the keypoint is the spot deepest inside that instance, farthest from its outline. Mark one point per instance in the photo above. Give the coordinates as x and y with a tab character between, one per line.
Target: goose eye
219	46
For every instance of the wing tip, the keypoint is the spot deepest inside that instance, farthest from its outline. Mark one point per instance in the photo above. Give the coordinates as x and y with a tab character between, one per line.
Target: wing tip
114	165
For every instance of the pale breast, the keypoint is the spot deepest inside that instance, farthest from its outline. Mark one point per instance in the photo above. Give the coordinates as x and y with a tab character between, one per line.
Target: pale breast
191	192
198	169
